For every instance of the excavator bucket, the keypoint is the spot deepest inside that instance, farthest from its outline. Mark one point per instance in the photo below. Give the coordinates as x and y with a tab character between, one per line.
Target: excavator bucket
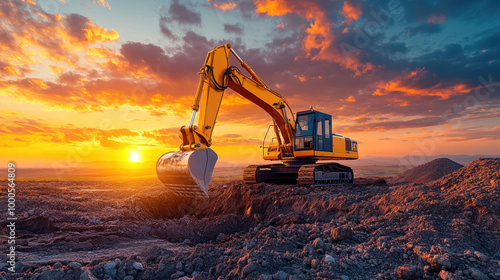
187	173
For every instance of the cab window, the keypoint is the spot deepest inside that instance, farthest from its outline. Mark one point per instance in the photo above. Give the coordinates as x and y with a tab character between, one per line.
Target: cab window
305	125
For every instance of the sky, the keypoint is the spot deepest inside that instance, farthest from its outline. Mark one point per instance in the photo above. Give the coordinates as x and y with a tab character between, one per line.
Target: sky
108	80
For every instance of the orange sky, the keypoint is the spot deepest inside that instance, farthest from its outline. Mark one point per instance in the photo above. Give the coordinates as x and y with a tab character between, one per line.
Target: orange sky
77	89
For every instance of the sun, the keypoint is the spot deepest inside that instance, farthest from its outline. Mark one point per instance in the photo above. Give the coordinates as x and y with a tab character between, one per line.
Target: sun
134	156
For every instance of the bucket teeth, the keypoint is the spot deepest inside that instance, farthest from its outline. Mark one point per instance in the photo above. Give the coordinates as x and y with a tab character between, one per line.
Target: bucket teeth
187	173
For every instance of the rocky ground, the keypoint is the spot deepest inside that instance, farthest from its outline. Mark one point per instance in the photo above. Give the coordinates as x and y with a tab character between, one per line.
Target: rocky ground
446	229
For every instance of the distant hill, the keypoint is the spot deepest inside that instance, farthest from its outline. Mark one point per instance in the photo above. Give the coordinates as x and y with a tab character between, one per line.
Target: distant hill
427	172
411	161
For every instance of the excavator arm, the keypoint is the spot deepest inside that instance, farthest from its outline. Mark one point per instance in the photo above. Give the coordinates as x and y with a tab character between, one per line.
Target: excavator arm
216	75
188	171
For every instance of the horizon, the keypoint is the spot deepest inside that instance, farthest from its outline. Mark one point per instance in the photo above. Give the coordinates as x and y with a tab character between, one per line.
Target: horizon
373	167
91	81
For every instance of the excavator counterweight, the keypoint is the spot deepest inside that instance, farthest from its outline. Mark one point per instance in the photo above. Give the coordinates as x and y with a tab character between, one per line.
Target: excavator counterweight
301	140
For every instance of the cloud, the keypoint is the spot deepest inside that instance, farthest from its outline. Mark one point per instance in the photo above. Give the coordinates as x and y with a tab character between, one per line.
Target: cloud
472	133
236	28
424	29
436	19
181	14
165	30
27	130
108	143
351	11
223	6
102	3
420	82
31	37
319	41
82	29
386	125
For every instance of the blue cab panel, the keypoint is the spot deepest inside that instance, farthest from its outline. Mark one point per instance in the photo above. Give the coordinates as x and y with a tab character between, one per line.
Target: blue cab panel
313	131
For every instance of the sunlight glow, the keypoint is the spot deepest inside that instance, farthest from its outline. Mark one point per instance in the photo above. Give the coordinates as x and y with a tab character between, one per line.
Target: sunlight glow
134	156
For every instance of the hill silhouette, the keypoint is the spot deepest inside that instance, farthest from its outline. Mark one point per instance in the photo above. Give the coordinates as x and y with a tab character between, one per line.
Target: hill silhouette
427	172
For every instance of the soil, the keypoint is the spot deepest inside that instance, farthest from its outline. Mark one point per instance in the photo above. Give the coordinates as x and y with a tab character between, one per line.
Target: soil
445	229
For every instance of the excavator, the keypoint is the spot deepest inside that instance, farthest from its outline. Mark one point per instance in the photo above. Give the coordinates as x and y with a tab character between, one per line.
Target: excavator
300	141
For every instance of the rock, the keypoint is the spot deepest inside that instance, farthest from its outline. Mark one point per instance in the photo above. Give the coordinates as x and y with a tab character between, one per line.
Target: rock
51	274
409	272
57	266
318	243
266	277
188	268
179	266
310	250
128	277
132	272
329	259
476	274
110	269
280	275
138	266
341	233
120	273
314	263
87	274
344	277
31	212
250	244
482	257
198	264
20	266
249	268
74	265
445	275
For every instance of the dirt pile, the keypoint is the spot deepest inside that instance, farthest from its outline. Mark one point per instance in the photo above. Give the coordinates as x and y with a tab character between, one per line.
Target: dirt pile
481	172
449	229
427	172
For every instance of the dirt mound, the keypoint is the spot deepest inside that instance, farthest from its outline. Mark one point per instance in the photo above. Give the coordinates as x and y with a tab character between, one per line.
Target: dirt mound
481	172
427	172
165	205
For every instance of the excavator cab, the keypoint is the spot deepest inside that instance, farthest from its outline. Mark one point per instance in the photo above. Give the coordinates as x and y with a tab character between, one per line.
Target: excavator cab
314	138
313	131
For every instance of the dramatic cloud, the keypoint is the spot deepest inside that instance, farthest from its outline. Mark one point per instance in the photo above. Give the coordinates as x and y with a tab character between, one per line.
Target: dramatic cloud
351	11
320	41
420	83
82	29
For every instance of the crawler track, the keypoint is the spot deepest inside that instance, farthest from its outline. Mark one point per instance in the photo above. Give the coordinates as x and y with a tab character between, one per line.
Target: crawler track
308	175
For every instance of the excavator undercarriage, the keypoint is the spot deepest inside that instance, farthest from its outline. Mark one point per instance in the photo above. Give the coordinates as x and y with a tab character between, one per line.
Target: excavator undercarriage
323	174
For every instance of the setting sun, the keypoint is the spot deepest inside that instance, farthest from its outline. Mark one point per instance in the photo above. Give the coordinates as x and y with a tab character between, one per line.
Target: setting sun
134	156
